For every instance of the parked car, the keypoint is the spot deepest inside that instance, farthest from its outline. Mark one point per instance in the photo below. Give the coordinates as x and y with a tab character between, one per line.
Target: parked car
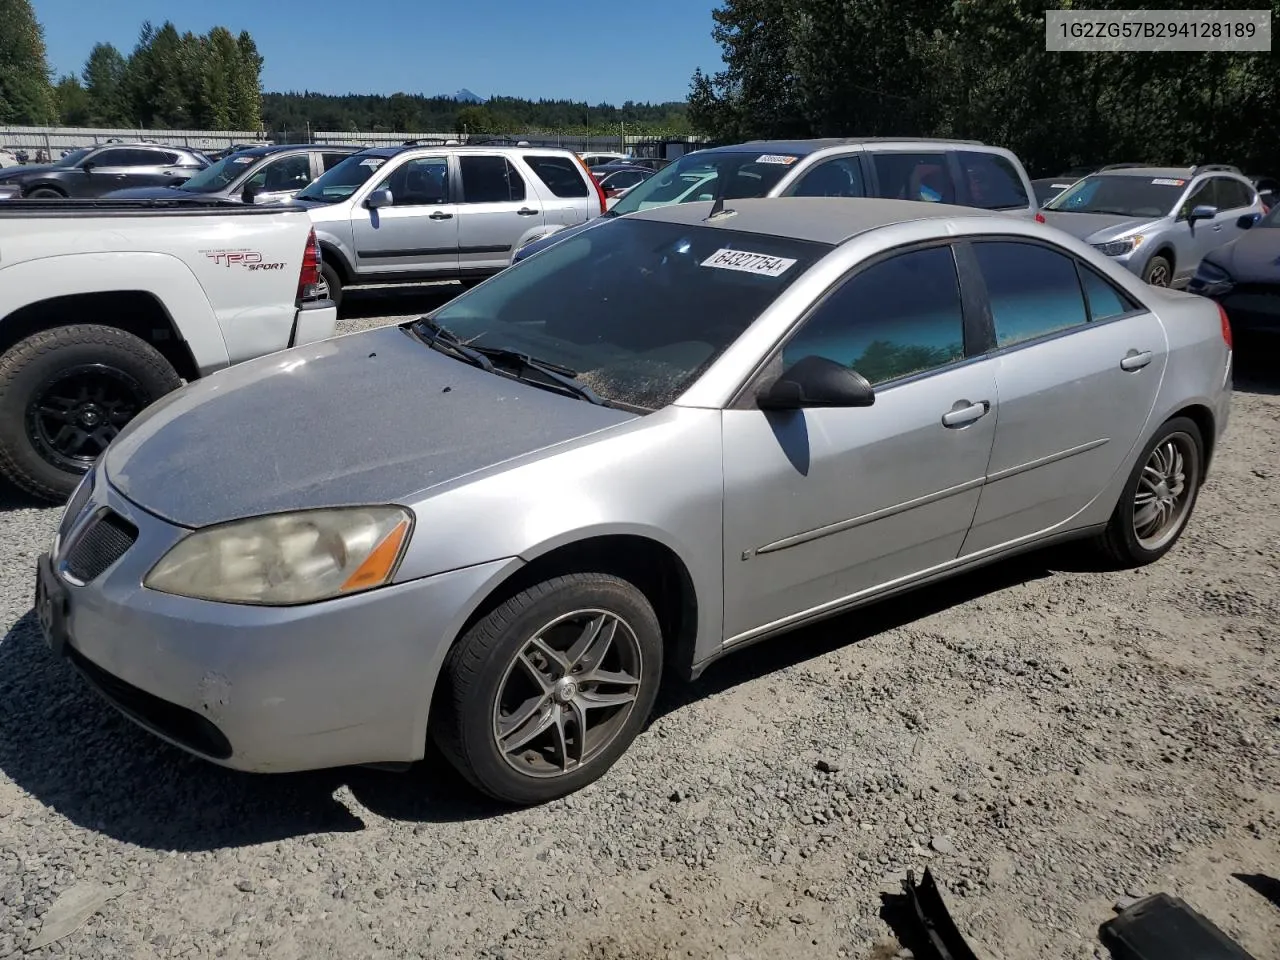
601	156
1268	191
1046	188
616	183
1158	222
257	175
95	171
649	163
1244	276
953	171
658	442
105	306
409	214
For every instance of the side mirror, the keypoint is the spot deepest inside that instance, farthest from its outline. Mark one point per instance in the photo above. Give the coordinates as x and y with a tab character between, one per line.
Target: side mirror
814	381
1202	212
379	198
249	194
87	166
1248	220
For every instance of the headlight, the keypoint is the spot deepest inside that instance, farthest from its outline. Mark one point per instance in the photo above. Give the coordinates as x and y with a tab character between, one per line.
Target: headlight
1210	280
1118	248
287	558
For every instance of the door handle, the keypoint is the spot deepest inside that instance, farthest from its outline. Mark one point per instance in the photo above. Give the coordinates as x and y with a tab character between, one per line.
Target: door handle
965	413
441	215
526	212
1135	360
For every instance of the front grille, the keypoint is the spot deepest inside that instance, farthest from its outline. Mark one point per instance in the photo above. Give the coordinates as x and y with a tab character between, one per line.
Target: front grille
103	542
184	727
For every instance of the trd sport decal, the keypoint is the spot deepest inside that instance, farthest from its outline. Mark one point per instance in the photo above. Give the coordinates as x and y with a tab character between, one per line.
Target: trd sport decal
245	259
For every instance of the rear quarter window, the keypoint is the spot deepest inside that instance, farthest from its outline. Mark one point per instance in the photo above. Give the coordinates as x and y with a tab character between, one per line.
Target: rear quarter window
992	181
561	175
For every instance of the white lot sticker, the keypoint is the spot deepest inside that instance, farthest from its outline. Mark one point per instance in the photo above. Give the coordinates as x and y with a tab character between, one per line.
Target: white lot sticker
1162	182
747	262
374	162
776	158
244	159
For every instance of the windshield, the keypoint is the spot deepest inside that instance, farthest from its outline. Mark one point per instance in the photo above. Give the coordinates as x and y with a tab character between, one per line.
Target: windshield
221	175
341	181
1126	196
697	176
636	308
74	157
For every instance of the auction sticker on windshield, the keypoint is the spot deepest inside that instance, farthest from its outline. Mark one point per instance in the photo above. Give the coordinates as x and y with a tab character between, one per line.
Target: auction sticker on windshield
373	162
1164	182
748	262
777	158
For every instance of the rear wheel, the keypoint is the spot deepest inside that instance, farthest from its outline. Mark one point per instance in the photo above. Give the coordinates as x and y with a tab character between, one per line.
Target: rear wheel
332	283
64	395
541	696
1158	499
1159	272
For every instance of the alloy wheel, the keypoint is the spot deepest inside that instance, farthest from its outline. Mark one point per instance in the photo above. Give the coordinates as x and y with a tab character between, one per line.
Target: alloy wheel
1162	500
75	414
567	694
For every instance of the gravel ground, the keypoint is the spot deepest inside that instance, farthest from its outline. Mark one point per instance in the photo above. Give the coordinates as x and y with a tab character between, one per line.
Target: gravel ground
1048	739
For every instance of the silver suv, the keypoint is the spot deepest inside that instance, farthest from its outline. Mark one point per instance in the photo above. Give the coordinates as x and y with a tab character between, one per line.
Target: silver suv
962	172
1157	221
445	211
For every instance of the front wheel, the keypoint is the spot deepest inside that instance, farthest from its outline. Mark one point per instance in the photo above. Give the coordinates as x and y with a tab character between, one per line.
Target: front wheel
1158	272
46	193
543	694
1158	499
64	395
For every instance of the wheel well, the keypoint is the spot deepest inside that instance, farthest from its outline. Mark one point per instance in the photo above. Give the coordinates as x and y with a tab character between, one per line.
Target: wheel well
329	254
44	186
1168	254
133	311
1202	417
654	568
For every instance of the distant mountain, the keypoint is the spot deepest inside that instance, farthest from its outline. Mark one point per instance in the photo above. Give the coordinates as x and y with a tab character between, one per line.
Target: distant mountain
466	96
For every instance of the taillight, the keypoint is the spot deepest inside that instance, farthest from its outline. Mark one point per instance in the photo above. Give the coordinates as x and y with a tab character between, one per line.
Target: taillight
309	276
594	182
1040	217
1226	327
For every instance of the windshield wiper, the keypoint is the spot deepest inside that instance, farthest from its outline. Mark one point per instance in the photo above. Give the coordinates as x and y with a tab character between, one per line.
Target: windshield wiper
438	338
559	375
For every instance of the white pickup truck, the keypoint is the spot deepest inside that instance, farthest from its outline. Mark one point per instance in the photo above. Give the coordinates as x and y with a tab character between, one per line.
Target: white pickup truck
107	305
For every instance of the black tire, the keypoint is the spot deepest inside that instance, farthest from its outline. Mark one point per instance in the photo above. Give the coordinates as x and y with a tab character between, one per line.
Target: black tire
333	281
474	680
46	193
1120	544
1159	271
132	374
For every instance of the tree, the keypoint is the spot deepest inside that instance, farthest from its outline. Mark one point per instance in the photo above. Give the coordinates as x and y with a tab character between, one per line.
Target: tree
74	109
26	93
245	83
104	79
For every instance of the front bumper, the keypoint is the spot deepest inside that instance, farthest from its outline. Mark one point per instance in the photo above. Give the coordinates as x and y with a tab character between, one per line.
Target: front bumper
262	689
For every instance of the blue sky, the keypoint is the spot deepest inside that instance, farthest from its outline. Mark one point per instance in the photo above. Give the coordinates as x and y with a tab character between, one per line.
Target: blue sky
574	49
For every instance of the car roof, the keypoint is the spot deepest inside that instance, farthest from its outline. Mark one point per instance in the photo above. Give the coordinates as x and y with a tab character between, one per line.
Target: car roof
281	147
395	151
830	220
1178	173
805	147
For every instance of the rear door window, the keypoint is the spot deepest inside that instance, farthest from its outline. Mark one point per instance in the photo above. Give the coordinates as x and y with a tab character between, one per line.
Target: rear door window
1033	291
561	175
914	176
992	181
838	177
490	180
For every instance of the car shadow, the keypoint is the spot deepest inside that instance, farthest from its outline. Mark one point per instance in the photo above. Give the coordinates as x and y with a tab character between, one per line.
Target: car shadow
1257	365
362	303
74	753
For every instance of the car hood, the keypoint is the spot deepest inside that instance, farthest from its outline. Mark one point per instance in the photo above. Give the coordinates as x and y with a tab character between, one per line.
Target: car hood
1094	227
157	193
1254	258
14	173
373	417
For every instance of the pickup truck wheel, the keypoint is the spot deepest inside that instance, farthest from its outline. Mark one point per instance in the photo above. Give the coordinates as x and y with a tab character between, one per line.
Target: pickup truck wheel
332	282
64	395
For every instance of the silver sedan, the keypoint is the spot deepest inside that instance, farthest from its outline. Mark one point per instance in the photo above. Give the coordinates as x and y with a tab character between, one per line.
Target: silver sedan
643	448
